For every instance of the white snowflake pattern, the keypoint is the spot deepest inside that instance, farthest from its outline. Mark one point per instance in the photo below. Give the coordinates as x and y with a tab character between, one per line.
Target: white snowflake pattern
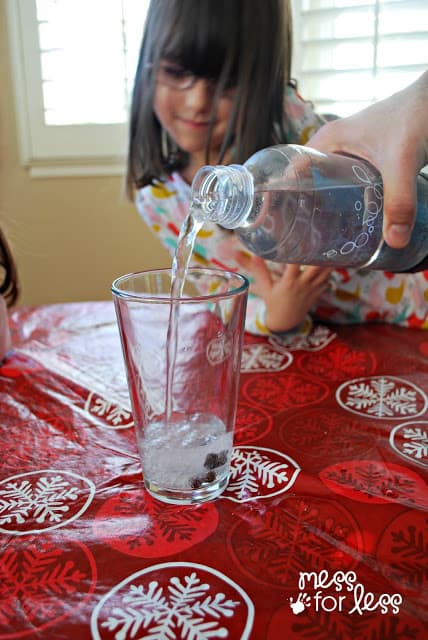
418	445
259	473
318	338
39	498
187	609
411	441
183	609
381	396
261	357
115	416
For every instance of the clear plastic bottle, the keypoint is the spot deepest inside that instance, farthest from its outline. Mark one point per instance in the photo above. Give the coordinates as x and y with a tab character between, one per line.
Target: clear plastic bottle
290	203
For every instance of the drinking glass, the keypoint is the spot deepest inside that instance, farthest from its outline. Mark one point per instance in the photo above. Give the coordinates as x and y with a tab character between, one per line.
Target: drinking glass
182	357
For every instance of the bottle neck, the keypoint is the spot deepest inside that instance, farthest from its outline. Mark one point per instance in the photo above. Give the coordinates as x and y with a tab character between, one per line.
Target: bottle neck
222	194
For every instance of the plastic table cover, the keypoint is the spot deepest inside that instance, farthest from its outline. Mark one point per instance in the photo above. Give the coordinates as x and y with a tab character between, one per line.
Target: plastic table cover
321	533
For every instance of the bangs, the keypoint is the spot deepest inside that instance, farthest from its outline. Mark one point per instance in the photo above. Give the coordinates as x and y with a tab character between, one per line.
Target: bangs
243	45
209	50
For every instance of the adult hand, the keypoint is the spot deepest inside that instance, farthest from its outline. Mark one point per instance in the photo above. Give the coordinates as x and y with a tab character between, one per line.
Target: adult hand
393	135
288	297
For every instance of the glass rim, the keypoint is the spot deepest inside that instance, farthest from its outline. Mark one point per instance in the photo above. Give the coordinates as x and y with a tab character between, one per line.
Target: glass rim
166	298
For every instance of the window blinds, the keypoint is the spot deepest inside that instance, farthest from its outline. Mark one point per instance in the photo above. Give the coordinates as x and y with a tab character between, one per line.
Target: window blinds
349	53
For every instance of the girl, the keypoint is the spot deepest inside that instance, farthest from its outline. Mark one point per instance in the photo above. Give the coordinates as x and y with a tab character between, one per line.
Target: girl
213	86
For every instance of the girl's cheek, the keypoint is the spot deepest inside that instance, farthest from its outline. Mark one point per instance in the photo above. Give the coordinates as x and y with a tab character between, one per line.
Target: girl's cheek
162	104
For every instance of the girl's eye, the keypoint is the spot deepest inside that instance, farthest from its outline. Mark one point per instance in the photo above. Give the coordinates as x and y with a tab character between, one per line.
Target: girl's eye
175	72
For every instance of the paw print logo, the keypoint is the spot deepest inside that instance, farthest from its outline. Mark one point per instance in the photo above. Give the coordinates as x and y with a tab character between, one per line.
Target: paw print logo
303	601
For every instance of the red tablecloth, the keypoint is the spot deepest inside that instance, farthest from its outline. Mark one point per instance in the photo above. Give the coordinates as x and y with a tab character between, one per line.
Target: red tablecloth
321	534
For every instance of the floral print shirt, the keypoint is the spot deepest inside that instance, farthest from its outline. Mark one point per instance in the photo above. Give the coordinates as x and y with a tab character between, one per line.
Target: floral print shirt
354	297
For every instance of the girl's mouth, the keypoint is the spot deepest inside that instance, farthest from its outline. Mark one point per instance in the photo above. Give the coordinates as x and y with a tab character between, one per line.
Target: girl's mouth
195	124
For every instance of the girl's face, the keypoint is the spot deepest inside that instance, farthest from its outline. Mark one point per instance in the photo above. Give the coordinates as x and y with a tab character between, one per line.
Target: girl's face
183	105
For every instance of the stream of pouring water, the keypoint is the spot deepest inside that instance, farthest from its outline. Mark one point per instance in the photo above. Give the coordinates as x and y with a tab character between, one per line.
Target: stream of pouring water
186	240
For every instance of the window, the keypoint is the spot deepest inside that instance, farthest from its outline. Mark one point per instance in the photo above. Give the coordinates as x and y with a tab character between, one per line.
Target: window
350	53
73	66
74	60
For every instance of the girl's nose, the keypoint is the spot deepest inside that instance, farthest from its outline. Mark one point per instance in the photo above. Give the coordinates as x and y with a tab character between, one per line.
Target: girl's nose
200	95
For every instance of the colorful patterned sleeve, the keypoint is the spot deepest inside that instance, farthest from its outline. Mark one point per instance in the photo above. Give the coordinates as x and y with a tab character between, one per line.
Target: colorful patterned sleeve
163	210
376	296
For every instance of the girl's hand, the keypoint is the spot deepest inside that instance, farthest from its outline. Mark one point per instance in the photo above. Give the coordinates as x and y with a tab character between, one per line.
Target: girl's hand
288	297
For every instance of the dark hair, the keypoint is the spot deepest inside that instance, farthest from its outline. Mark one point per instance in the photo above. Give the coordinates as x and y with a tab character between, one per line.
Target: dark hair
9	284
242	43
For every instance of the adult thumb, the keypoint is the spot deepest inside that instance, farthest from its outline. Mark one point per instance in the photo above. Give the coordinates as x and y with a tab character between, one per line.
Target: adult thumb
399	205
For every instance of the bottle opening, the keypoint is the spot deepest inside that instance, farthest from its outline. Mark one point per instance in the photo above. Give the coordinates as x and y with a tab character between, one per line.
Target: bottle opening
222	194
